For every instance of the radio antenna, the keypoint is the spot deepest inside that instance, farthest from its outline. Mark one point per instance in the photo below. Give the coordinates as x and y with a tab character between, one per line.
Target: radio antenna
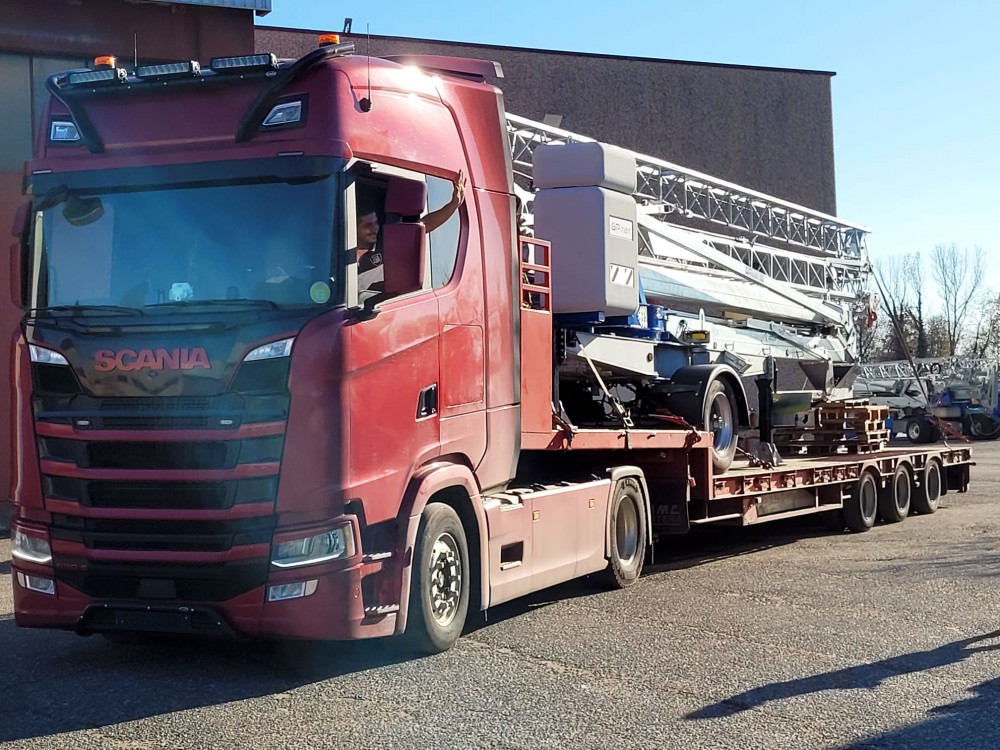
366	103
135	49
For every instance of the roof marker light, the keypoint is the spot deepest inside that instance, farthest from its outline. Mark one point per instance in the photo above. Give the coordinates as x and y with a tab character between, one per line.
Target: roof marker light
326	40
187	68
105	61
287	113
64	131
245	63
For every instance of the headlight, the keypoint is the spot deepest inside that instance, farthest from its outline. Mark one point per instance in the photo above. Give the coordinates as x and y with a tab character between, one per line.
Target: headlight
271	351
330	545
31	548
44	356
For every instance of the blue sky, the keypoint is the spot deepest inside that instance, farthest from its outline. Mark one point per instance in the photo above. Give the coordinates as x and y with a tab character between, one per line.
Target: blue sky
916	97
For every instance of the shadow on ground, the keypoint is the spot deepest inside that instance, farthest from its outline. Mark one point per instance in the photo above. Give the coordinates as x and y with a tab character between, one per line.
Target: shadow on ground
969	724
861	677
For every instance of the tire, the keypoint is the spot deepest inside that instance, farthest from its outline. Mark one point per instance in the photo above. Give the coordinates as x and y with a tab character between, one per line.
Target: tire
919	431
719	416
439	586
627	529
981	427
861	508
927	495
894	499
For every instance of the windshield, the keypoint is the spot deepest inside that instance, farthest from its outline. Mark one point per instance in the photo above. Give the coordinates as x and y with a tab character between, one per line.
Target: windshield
265	242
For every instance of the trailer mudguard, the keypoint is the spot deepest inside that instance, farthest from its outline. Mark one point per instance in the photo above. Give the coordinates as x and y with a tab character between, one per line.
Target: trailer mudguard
687	388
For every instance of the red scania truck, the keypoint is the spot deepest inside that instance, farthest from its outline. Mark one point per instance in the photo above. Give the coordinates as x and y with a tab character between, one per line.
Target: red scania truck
218	431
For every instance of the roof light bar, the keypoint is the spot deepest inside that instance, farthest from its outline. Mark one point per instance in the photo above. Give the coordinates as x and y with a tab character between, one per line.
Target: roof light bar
245	63
188	68
104	77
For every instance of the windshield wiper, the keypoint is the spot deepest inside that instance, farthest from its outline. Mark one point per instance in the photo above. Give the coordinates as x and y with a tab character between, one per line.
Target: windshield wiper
220	303
85	309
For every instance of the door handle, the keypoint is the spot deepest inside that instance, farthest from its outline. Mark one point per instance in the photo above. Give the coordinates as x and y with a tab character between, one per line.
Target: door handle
427	402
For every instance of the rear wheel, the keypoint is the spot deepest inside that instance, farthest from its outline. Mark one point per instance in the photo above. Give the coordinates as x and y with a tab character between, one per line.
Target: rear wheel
981	427
894	499
719	418
927	494
627	519
861	507
439	588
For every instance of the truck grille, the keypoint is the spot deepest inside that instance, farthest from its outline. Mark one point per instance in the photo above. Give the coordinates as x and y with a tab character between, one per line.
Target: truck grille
165	495
162	536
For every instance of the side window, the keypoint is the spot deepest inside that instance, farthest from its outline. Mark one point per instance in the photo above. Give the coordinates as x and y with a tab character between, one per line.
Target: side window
368	215
442	243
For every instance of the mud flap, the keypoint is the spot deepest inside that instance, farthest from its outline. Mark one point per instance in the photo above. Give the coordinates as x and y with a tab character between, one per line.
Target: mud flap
957	478
670	507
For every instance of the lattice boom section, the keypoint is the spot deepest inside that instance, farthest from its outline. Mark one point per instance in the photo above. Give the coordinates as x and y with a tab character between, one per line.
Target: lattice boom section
694	195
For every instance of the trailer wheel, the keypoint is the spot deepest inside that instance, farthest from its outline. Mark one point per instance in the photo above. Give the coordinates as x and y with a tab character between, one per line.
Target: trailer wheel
627	519
861	507
719	418
894	499
927	495
439	589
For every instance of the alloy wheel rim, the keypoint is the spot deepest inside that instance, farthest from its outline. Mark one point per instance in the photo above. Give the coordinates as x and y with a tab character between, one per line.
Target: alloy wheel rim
445	576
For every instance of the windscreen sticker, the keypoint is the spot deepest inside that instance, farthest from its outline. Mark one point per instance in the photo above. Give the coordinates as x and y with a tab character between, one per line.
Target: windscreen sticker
320	292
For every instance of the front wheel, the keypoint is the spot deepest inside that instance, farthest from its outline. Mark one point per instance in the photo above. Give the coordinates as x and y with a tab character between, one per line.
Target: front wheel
439	589
919	431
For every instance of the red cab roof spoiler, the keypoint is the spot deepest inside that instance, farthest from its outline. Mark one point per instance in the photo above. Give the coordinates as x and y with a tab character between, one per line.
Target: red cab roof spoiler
466	67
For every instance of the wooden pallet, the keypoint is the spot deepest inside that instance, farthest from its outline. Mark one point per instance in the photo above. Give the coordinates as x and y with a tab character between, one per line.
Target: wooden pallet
827	449
829	435
868	413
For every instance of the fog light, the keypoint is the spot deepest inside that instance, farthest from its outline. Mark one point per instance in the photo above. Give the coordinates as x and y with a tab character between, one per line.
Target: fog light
37	583
284	591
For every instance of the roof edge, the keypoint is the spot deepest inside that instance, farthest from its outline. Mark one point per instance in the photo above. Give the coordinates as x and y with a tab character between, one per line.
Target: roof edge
568	53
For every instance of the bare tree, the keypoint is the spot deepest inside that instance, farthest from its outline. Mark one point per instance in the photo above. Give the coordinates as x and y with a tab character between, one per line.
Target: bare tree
901	281
959	277
983	341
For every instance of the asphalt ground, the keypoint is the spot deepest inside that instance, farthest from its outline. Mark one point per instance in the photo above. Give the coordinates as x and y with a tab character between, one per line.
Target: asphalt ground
780	636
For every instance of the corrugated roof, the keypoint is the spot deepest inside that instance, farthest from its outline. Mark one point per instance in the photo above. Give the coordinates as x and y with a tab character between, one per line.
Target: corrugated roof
261	6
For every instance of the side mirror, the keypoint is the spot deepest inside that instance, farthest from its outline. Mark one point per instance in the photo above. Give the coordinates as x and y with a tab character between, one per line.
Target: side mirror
403	253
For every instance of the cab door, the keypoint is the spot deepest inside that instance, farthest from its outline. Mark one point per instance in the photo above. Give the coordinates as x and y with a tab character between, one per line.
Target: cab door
393	384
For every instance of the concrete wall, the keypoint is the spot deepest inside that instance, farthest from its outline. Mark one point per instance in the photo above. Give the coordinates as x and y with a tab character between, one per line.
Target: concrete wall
765	128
